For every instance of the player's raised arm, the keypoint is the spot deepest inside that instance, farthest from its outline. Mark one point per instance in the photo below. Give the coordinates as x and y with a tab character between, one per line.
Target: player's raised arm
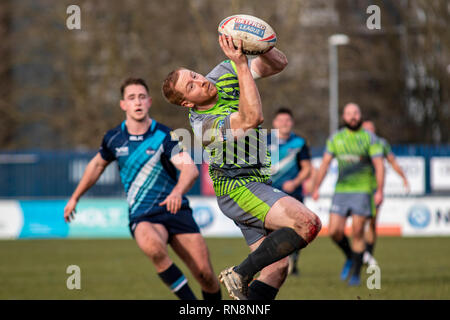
269	63
188	174
250	113
91	174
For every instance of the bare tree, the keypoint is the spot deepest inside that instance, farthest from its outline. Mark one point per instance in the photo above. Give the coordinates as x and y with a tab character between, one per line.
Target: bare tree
61	86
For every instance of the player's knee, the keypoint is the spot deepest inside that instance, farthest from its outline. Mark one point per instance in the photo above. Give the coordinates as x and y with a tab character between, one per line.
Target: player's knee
156	253
316	224
358	233
311	227
336	234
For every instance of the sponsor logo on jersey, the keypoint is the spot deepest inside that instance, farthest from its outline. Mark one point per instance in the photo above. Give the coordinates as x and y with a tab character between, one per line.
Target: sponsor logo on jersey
136	138
150	151
122	152
354	158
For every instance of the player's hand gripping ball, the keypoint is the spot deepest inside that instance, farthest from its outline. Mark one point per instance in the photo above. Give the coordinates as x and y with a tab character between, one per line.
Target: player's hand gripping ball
257	35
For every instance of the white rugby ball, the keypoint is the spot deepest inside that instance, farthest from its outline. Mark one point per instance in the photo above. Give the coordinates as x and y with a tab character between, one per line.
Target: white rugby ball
257	35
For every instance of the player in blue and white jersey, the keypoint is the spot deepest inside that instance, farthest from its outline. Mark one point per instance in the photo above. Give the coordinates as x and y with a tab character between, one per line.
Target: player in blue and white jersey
291	163
148	156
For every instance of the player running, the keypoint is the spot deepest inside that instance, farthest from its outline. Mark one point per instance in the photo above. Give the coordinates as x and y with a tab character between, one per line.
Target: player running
358	153
291	163
148	155
226	113
370	234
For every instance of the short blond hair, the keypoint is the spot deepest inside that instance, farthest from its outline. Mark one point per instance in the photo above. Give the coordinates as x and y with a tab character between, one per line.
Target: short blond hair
168	88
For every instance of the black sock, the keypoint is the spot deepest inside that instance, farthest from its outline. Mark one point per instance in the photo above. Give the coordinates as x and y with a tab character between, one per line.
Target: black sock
345	246
259	290
357	258
177	283
216	296
295	256
369	247
278	244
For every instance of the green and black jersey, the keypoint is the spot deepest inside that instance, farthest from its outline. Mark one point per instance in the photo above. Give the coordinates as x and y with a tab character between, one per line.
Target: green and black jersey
354	151
233	163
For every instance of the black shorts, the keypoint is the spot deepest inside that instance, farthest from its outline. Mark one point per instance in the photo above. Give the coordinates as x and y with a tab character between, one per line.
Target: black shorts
181	222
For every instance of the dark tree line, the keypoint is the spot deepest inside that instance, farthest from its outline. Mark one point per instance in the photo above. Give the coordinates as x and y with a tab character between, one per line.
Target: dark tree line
60	87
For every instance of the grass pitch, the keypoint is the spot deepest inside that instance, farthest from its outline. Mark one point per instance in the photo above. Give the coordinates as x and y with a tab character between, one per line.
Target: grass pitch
411	268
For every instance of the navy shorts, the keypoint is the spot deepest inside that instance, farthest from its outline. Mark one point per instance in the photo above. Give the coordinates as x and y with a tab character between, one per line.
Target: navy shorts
181	222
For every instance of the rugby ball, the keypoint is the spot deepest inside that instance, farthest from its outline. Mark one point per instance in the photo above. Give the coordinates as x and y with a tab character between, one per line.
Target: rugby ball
257	35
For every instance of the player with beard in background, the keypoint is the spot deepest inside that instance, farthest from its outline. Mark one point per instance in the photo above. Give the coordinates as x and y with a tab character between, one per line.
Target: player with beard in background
360	157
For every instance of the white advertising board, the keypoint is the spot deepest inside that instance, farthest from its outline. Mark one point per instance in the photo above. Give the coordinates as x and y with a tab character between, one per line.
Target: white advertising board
414	169
11	219
407	216
440	173
211	220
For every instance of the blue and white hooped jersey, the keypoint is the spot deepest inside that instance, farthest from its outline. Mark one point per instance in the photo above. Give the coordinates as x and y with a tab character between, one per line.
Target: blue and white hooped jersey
146	172
286	160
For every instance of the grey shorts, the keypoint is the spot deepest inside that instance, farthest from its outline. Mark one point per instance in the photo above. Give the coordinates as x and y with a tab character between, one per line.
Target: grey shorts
345	204
248	205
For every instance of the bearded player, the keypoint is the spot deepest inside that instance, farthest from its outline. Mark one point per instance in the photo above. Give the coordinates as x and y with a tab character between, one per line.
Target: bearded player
226	113
360	157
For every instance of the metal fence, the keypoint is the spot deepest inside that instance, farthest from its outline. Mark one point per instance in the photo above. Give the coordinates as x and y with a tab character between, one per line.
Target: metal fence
41	174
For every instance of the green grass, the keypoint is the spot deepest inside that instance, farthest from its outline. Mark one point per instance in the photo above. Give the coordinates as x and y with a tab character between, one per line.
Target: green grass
411	268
